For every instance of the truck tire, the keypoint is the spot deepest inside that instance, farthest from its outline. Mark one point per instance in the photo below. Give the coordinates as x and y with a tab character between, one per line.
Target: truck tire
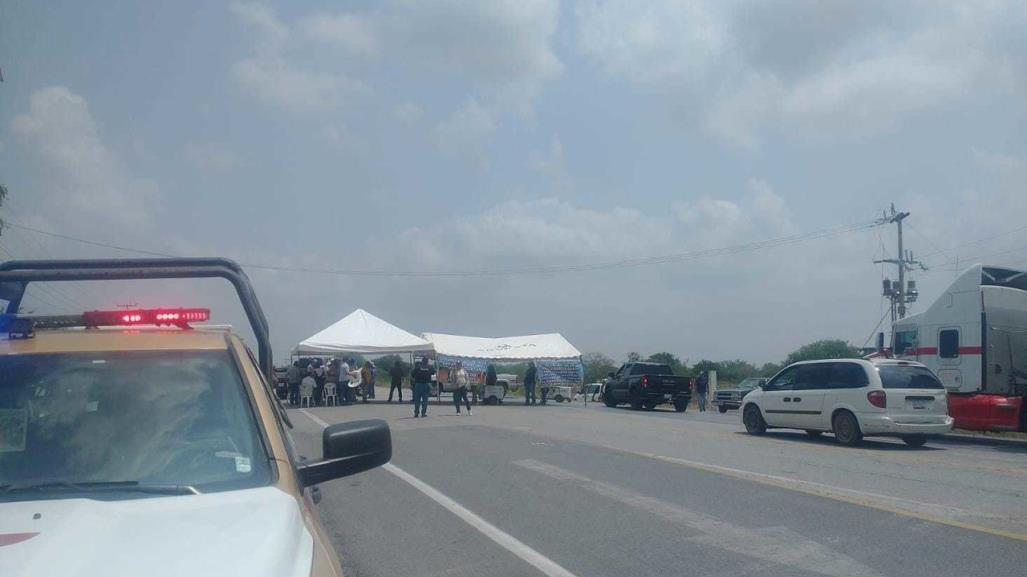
650	405
609	402
915	440
753	420
722	408
681	405
846	429
635	401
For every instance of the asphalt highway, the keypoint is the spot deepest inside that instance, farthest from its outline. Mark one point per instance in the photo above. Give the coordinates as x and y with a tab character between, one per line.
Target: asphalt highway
575	490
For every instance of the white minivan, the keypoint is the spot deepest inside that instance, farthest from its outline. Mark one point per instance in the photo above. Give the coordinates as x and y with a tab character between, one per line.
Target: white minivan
852	398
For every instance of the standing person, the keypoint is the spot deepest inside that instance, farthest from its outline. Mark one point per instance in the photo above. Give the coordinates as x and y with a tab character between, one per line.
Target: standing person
293	376
421	376
490	376
365	380
374	378
319	378
396	372
702	385
460	393
344	390
529	384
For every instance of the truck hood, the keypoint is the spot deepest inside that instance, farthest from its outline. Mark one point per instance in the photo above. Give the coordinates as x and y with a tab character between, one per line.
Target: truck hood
252	532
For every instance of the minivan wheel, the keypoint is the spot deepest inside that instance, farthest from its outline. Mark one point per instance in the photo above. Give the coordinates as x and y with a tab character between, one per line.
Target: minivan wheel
915	440
846	429
753	420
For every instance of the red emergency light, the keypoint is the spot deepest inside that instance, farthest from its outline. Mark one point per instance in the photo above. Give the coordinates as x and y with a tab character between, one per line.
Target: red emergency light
179	317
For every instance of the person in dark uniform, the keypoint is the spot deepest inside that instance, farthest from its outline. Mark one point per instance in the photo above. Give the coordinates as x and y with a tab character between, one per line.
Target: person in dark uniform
397	373
702	386
530	378
421	376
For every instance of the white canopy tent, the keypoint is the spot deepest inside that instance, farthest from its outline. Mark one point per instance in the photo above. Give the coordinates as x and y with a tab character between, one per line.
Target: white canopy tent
547	346
360	332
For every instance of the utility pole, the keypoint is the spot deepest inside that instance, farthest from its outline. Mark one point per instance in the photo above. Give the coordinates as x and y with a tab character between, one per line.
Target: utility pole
900	293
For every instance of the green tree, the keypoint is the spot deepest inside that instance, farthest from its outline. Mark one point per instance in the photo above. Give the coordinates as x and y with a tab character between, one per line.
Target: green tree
825	349
597	366
705	366
670	360
769	369
735	371
634	357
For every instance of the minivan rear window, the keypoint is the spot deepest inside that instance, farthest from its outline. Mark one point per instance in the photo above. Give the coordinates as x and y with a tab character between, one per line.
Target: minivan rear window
906	377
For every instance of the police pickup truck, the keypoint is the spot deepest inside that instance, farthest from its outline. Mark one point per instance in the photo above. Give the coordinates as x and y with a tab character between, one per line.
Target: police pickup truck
647	385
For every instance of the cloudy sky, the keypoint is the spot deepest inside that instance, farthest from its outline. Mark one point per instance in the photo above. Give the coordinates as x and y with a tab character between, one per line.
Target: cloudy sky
513	136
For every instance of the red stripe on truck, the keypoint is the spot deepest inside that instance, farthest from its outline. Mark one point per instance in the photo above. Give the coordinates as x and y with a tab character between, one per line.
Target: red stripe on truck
962	351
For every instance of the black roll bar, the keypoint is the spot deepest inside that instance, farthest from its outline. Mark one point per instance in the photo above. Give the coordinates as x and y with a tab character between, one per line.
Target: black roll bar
15	276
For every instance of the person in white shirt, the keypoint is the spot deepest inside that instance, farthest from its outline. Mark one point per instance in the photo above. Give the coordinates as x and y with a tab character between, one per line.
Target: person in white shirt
460	380
307	386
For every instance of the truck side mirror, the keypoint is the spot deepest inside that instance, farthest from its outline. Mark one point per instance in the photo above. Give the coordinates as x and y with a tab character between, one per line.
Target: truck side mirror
348	449
609	375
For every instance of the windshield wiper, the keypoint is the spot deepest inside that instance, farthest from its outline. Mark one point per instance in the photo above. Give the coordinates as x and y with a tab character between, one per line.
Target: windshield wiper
101	487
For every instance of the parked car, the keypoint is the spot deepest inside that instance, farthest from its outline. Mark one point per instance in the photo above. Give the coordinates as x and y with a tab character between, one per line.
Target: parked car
647	385
726	399
852	398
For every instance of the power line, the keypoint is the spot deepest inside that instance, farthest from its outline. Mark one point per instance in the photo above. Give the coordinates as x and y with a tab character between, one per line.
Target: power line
539	270
51	293
976	241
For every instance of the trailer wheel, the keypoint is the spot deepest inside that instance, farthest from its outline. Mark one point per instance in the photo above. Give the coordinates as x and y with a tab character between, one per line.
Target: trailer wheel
558	398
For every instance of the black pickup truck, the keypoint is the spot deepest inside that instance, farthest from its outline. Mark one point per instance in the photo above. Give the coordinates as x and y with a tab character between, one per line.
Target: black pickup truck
647	385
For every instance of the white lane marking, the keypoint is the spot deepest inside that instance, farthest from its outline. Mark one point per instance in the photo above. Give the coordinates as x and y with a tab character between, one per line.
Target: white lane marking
314	418
774	544
512	544
502	538
815	488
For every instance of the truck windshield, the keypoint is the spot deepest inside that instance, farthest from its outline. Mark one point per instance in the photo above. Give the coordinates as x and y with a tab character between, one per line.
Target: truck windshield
905	377
162	418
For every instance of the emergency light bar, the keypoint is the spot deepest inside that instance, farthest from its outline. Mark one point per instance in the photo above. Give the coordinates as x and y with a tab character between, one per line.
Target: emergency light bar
179	317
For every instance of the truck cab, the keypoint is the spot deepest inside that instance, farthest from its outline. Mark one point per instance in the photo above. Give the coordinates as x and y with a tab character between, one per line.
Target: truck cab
139	442
974	337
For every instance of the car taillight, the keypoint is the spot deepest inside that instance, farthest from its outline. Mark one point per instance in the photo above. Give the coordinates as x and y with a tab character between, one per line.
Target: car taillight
645	380
878	399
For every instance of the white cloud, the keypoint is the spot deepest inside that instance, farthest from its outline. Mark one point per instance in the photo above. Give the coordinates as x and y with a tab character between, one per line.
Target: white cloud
212	156
357	34
82	177
466	131
550	163
503	48
552	231
262	18
279	79
651	42
806	69
408	112
495	56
